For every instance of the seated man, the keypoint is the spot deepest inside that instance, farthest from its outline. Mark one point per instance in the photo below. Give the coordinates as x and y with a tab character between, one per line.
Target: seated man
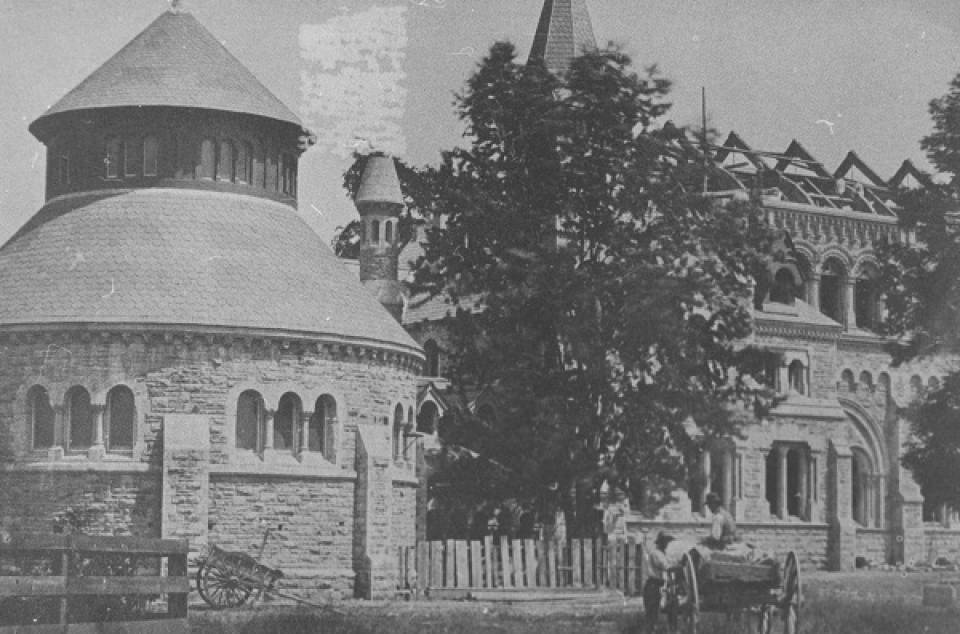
723	529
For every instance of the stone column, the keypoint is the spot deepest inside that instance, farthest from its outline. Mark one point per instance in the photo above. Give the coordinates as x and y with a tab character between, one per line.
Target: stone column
849	304
97	450
782	482
268	431
705	470
374	559
804	492
727	479
59	425
842	534
186	478
813	296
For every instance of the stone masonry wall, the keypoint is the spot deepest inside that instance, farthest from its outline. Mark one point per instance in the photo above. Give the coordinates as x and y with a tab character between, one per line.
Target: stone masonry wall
106	503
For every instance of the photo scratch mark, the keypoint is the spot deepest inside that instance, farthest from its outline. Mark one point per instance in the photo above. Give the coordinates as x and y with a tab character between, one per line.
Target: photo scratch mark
829	124
77	259
113	290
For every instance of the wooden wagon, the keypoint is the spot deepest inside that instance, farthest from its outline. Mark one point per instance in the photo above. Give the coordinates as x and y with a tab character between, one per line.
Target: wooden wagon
765	593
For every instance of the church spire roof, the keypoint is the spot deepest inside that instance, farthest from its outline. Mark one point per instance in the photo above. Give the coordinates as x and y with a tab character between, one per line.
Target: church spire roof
564	32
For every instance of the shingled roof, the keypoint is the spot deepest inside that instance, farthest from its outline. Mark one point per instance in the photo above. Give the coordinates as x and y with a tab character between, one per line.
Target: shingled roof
175	61
564	32
185	258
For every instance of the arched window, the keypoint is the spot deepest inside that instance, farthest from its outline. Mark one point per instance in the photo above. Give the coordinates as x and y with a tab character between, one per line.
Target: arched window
250	421
41	417
427	418
132	157
285	422
375	232
271	171
388	232
866	299
916	387
244	163
120	417
113	158
288	174
846	381
398	448
79	415
866	381
784	286
321	426
225	162
63	168
208	159
432	352
861	488
832	280
796	374
151	157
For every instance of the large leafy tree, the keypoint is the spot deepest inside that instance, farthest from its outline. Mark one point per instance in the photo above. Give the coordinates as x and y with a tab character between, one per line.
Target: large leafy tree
922	278
599	296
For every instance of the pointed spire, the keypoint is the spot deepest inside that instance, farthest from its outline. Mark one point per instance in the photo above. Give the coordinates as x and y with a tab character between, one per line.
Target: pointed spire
379	183
564	32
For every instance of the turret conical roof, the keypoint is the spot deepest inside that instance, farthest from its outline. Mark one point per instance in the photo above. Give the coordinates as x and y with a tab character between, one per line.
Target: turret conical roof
175	61
564	32
379	183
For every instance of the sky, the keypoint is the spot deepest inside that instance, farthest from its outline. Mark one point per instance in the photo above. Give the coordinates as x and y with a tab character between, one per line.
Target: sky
837	75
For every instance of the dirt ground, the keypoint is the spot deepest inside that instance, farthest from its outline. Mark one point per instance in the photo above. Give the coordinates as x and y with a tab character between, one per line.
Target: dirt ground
867	602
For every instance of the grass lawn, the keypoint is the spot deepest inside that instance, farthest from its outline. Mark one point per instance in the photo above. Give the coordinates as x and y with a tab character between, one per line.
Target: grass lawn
835	603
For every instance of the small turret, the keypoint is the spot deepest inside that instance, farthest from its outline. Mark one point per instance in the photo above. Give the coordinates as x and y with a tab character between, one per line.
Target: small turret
379	202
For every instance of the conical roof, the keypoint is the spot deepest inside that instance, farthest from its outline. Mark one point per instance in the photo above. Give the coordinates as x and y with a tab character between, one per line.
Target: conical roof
564	32
194	260
175	61
379	183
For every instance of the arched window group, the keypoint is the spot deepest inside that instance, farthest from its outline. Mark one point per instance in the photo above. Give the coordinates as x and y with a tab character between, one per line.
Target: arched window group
84	424
389	234
288	428
790	481
717	470
131	157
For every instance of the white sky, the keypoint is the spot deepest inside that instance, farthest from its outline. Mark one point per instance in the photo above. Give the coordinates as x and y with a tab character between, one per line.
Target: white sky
835	74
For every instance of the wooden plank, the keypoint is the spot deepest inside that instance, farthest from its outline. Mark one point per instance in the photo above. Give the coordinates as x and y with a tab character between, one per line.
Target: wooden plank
436	565
589	578
610	559
630	559
476	564
529	563
127	585
463	572
129	545
32	586
450	561
576	546
541	547
34	542
423	565
489	560
621	567
552	564
505	562
517	548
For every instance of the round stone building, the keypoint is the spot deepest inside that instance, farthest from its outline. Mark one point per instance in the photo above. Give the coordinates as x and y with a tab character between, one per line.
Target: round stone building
182	355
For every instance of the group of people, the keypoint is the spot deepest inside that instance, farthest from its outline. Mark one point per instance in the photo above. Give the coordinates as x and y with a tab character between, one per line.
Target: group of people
668	554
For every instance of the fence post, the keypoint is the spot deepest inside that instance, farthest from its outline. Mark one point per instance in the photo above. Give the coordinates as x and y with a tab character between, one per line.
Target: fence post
589	578
177	567
423	567
490	560
65	572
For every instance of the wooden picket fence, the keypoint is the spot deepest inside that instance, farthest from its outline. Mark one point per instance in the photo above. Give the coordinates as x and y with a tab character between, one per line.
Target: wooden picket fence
80	584
518	564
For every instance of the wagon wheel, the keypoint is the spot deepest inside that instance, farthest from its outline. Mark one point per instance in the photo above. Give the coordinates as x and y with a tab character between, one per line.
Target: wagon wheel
683	607
221	588
787	608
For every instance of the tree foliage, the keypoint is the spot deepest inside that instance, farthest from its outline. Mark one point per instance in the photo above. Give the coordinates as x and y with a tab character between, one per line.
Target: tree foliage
599	297
922	281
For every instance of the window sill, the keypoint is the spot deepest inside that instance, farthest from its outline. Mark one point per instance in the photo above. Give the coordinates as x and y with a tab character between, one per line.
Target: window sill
80	463
305	470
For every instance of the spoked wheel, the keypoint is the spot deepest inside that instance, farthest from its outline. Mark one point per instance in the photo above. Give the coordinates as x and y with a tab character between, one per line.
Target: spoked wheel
220	587
785	615
683	606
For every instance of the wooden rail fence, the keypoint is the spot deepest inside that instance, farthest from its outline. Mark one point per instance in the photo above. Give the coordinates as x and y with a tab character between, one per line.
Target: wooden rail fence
80	584
502	563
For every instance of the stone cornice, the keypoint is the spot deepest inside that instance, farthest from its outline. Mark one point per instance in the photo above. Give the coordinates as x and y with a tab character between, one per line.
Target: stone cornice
331	347
776	328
